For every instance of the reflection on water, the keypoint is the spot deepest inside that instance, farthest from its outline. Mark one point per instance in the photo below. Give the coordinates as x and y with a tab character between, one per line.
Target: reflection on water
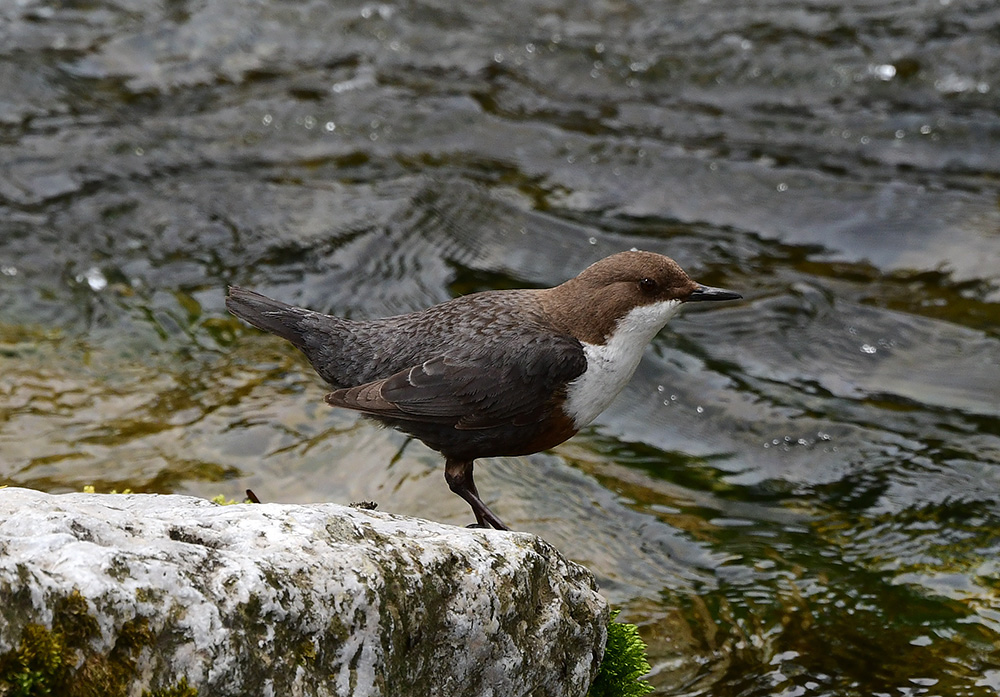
797	495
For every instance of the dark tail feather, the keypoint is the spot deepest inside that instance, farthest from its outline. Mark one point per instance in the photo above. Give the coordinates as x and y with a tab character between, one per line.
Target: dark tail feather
268	314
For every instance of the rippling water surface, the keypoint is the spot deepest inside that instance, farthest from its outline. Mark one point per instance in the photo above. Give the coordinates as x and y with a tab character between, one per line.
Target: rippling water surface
798	494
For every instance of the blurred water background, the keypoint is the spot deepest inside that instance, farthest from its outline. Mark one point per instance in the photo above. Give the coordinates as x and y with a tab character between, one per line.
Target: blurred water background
798	494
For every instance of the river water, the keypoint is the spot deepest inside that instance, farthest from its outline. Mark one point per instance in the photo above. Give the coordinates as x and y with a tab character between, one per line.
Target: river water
798	494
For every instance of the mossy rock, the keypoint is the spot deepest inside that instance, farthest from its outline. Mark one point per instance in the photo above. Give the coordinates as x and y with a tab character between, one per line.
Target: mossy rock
116	595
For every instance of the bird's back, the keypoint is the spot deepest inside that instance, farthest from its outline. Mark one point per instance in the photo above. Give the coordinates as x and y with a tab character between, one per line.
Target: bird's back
347	353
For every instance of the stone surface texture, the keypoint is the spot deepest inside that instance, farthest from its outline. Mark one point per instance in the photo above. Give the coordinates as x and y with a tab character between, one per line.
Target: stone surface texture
273	599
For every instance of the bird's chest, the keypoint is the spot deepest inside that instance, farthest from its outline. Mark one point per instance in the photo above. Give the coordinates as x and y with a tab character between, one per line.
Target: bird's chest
609	368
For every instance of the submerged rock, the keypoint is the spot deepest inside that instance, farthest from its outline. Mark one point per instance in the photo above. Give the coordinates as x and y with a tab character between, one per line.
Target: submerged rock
146	591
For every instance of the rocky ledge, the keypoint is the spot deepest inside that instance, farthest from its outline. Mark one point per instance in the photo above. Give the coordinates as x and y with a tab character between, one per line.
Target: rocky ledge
157	595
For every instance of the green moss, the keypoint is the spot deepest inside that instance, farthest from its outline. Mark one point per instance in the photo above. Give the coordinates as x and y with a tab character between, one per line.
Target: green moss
37	666
112	674
43	661
72	620
221	500
181	689
89	489
305	651
624	663
48	661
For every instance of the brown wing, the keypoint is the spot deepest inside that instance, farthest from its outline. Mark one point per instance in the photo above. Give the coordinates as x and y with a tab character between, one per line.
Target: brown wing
511	387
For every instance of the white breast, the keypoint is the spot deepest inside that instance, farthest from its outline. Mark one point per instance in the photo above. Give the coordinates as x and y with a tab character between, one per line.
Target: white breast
610	366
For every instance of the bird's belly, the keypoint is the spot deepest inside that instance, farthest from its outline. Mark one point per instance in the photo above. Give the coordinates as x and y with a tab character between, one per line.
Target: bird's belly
507	440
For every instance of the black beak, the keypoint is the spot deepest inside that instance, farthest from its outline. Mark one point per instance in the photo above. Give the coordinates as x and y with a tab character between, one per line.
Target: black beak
709	293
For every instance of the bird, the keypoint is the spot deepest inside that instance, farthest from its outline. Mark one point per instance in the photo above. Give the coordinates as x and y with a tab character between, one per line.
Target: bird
493	373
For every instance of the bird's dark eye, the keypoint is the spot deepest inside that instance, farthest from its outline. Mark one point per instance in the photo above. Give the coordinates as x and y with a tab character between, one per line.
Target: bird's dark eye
647	284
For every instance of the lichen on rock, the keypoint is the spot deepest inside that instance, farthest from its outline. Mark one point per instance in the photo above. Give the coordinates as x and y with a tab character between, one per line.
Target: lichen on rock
141	592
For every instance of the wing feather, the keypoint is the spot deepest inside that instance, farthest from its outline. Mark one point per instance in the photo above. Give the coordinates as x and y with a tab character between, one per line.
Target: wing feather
484	390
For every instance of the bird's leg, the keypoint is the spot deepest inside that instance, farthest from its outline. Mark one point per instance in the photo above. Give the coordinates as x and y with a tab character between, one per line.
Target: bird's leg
458	474
470	484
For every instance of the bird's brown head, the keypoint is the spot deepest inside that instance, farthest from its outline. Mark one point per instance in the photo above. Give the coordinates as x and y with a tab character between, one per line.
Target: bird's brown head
645	287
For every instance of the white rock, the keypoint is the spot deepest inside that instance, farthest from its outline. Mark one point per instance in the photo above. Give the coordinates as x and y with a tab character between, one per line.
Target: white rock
269	599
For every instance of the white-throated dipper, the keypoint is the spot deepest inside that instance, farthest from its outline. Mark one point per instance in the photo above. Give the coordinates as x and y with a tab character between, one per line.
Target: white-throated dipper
501	372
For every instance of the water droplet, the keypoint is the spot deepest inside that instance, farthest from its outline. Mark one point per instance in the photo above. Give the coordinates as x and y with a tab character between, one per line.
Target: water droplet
592	240
900	134
8	270
953	84
330	126
660	388
599	47
93	278
883	72
266	120
498	57
382	10
309	122
925	129
140	152
700	409
868	348
782	186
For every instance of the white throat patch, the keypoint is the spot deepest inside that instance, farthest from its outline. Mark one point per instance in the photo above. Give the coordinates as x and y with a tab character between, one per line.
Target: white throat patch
610	366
